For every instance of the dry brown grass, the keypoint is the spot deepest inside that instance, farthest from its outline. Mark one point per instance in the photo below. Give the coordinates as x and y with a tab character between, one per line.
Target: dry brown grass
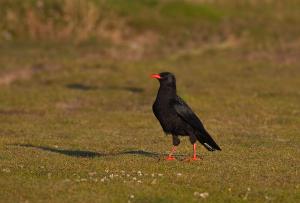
77	20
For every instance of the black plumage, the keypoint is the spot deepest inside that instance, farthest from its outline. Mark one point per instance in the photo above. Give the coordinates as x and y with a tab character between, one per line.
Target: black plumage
176	117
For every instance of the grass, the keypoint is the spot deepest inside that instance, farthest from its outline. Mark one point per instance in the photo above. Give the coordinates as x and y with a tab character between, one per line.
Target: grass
85	116
76	123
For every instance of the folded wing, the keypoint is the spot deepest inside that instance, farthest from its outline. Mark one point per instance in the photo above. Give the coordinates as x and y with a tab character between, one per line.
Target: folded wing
186	113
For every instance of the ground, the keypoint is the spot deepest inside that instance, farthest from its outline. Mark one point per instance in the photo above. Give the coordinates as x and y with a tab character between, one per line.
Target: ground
76	123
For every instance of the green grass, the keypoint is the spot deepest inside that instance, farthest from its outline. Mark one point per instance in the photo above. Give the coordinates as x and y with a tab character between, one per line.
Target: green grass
79	115
76	123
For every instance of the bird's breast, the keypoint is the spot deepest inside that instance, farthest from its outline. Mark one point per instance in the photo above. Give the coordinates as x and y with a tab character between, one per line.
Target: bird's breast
167	117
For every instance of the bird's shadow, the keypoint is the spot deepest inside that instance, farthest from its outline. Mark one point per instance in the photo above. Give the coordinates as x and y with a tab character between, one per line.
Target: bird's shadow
91	154
83	87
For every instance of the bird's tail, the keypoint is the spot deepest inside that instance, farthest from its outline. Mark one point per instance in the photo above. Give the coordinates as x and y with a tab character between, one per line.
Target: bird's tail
207	141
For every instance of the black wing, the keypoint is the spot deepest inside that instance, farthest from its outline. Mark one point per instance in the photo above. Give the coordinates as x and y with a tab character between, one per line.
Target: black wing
187	114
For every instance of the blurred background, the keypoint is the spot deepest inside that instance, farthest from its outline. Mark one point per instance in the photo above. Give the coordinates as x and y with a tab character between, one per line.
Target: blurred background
150	28
75	98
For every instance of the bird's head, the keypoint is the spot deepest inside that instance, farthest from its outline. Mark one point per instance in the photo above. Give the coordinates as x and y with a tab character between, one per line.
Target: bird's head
165	78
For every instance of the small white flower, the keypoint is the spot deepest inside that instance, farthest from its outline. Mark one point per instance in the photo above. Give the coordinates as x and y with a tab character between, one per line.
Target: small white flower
103	179
179	174
111	176
131	196
269	198
160	174
83	179
6	170
204	195
139	181
152	174
134	178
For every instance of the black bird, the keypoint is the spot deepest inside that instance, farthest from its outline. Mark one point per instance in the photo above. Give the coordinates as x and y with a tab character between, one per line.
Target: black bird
177	118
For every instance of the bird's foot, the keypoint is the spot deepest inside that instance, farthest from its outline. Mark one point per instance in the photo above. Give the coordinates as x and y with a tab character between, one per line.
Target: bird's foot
195	158
191	159
170	158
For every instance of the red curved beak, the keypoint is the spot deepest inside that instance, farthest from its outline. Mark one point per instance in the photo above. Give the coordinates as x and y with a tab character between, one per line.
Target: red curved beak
157	76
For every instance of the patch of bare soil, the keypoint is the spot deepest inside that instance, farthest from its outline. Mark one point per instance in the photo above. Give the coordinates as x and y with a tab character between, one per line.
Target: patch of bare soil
69	106
10	112
285	53
12	76
127	45
24	73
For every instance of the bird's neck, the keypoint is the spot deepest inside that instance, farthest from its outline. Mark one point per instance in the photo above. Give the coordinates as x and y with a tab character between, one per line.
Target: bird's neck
167	91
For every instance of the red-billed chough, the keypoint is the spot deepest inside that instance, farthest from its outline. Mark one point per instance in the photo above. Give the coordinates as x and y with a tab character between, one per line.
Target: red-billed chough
177	118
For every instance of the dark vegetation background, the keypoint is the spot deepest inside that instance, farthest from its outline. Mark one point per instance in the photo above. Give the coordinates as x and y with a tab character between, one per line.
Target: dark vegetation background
76	123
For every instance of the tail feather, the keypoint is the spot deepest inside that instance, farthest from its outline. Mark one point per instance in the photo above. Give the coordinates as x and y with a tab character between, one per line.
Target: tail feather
207	141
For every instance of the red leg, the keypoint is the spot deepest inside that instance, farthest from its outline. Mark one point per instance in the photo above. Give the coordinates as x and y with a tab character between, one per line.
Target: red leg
171	157
194	158
195	154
